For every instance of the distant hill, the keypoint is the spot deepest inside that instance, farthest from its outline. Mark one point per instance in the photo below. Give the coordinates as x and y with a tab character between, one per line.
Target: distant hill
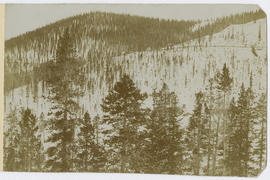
101	36
98	34
186	67
135	33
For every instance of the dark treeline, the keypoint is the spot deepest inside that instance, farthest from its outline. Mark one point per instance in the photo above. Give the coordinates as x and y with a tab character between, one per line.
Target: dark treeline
107	34
103	35
130	31
222	136
221	23
141	140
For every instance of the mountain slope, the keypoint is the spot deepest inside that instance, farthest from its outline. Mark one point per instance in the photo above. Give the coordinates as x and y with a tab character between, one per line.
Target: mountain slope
103	36
186	68
99	35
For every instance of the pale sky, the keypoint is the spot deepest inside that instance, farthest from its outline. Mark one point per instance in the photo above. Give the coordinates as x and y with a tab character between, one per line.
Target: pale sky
22	18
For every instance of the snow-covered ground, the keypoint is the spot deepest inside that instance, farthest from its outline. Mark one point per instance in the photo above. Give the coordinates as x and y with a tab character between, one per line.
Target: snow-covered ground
186	69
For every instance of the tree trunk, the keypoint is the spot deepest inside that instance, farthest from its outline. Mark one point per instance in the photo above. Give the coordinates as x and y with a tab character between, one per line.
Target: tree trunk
247	150
97	131
261	146
85	155
198	156
64	145
215	149
224	136
123	157
209	146
29	158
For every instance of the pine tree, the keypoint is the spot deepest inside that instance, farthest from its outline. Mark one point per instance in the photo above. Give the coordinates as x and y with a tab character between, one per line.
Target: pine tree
89	155
30	144
64	80
233	141
175	148
65	48
198	132
41	134
12	159
243	115
250	118
239	140
224	83
164	150
240	132
261	110
85	143
208	135
22	144
258	137
123	112
210	111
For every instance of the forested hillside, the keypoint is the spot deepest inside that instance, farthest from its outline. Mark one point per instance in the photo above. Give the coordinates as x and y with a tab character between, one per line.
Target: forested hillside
104	35
103	92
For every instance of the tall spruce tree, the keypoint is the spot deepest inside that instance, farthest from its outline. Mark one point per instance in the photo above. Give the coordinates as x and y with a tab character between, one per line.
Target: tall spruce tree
244	120
212	111
85	143
64	79
30	144
233	142
198	132
245	108
22	144
89	155
164	151
251	126
207	133
12	159
257	137
261	110
239	142
224	84
123	112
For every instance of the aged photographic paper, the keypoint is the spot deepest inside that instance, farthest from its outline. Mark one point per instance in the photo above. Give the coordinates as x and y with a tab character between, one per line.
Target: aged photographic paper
139	88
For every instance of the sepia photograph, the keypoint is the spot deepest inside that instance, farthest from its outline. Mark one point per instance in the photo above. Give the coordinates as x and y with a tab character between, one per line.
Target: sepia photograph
175	89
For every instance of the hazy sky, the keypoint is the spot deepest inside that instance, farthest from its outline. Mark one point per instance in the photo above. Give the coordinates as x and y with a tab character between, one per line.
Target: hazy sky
23	18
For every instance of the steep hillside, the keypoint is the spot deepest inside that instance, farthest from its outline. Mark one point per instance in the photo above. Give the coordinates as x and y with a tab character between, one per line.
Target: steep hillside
93	32
103	36
186	68
99	35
